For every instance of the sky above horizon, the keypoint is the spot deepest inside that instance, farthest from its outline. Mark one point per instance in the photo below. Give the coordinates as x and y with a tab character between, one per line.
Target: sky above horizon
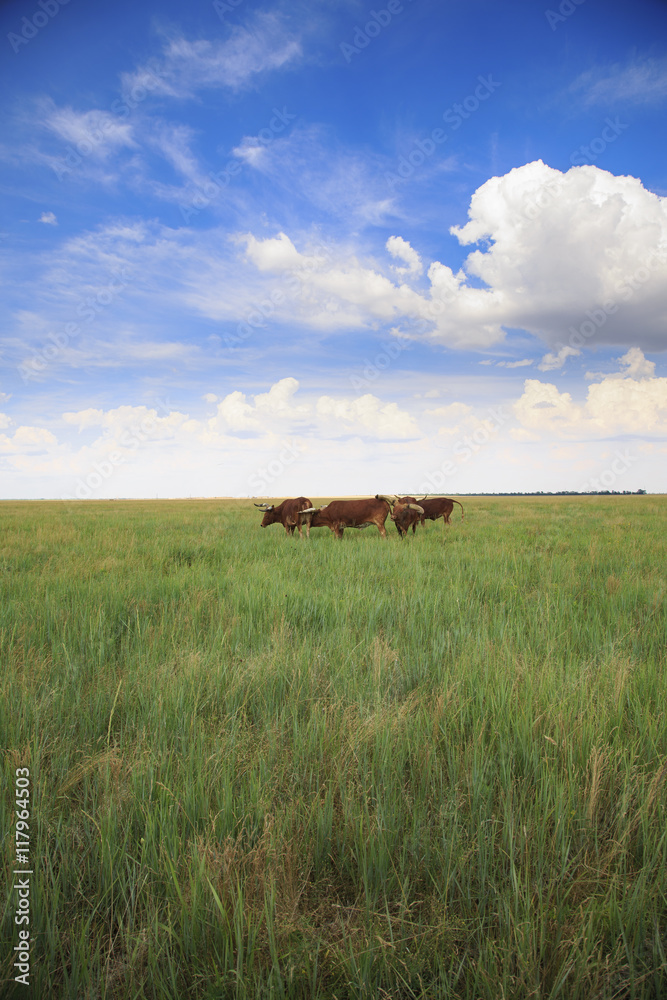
331	248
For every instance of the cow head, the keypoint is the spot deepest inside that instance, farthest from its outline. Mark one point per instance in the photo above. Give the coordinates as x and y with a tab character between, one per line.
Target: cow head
400	510
269	516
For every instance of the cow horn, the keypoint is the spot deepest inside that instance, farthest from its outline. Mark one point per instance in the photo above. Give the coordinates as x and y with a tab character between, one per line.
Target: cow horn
309	510
415	506
379	496
265	506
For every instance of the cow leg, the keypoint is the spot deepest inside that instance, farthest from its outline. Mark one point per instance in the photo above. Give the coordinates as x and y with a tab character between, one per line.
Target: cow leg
382	530
338	530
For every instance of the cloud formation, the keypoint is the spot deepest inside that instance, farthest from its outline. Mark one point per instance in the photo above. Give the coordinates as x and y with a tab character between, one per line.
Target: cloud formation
565	250
401	250
632	401
578	257
643	81
186	67
96	134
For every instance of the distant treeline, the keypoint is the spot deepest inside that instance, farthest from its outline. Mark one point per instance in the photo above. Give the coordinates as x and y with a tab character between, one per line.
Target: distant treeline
561	493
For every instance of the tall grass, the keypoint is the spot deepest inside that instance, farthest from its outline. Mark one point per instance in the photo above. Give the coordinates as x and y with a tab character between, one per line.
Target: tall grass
266	767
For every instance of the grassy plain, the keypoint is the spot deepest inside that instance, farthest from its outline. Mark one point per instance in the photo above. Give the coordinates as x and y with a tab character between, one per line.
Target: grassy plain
265	767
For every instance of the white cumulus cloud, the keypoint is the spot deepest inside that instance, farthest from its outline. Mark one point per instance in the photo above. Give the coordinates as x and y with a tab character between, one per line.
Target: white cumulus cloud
366	415
401	249
552	361
632	401
578	257
564	246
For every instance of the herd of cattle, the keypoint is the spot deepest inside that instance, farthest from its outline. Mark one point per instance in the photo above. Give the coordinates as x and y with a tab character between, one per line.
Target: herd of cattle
406	512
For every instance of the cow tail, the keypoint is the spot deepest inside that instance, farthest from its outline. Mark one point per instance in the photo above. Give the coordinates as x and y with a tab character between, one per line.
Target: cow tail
461	506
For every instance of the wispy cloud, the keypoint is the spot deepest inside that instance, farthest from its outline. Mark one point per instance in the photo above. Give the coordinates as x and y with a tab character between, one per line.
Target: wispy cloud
641	82
311	164
186	67
523	363
94	133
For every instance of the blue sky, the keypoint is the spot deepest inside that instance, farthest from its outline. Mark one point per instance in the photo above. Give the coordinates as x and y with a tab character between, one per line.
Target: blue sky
331	248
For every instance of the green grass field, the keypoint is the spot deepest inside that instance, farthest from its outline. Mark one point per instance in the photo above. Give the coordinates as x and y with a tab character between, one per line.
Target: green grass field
265	767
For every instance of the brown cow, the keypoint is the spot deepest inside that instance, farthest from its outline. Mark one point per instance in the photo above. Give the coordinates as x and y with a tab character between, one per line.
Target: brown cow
438	507
406	516
409	500
341	514
290	513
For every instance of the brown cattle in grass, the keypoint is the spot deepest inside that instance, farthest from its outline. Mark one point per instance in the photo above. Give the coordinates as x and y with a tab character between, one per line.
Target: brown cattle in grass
409	500
438	507
290	513
405	515
341	514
